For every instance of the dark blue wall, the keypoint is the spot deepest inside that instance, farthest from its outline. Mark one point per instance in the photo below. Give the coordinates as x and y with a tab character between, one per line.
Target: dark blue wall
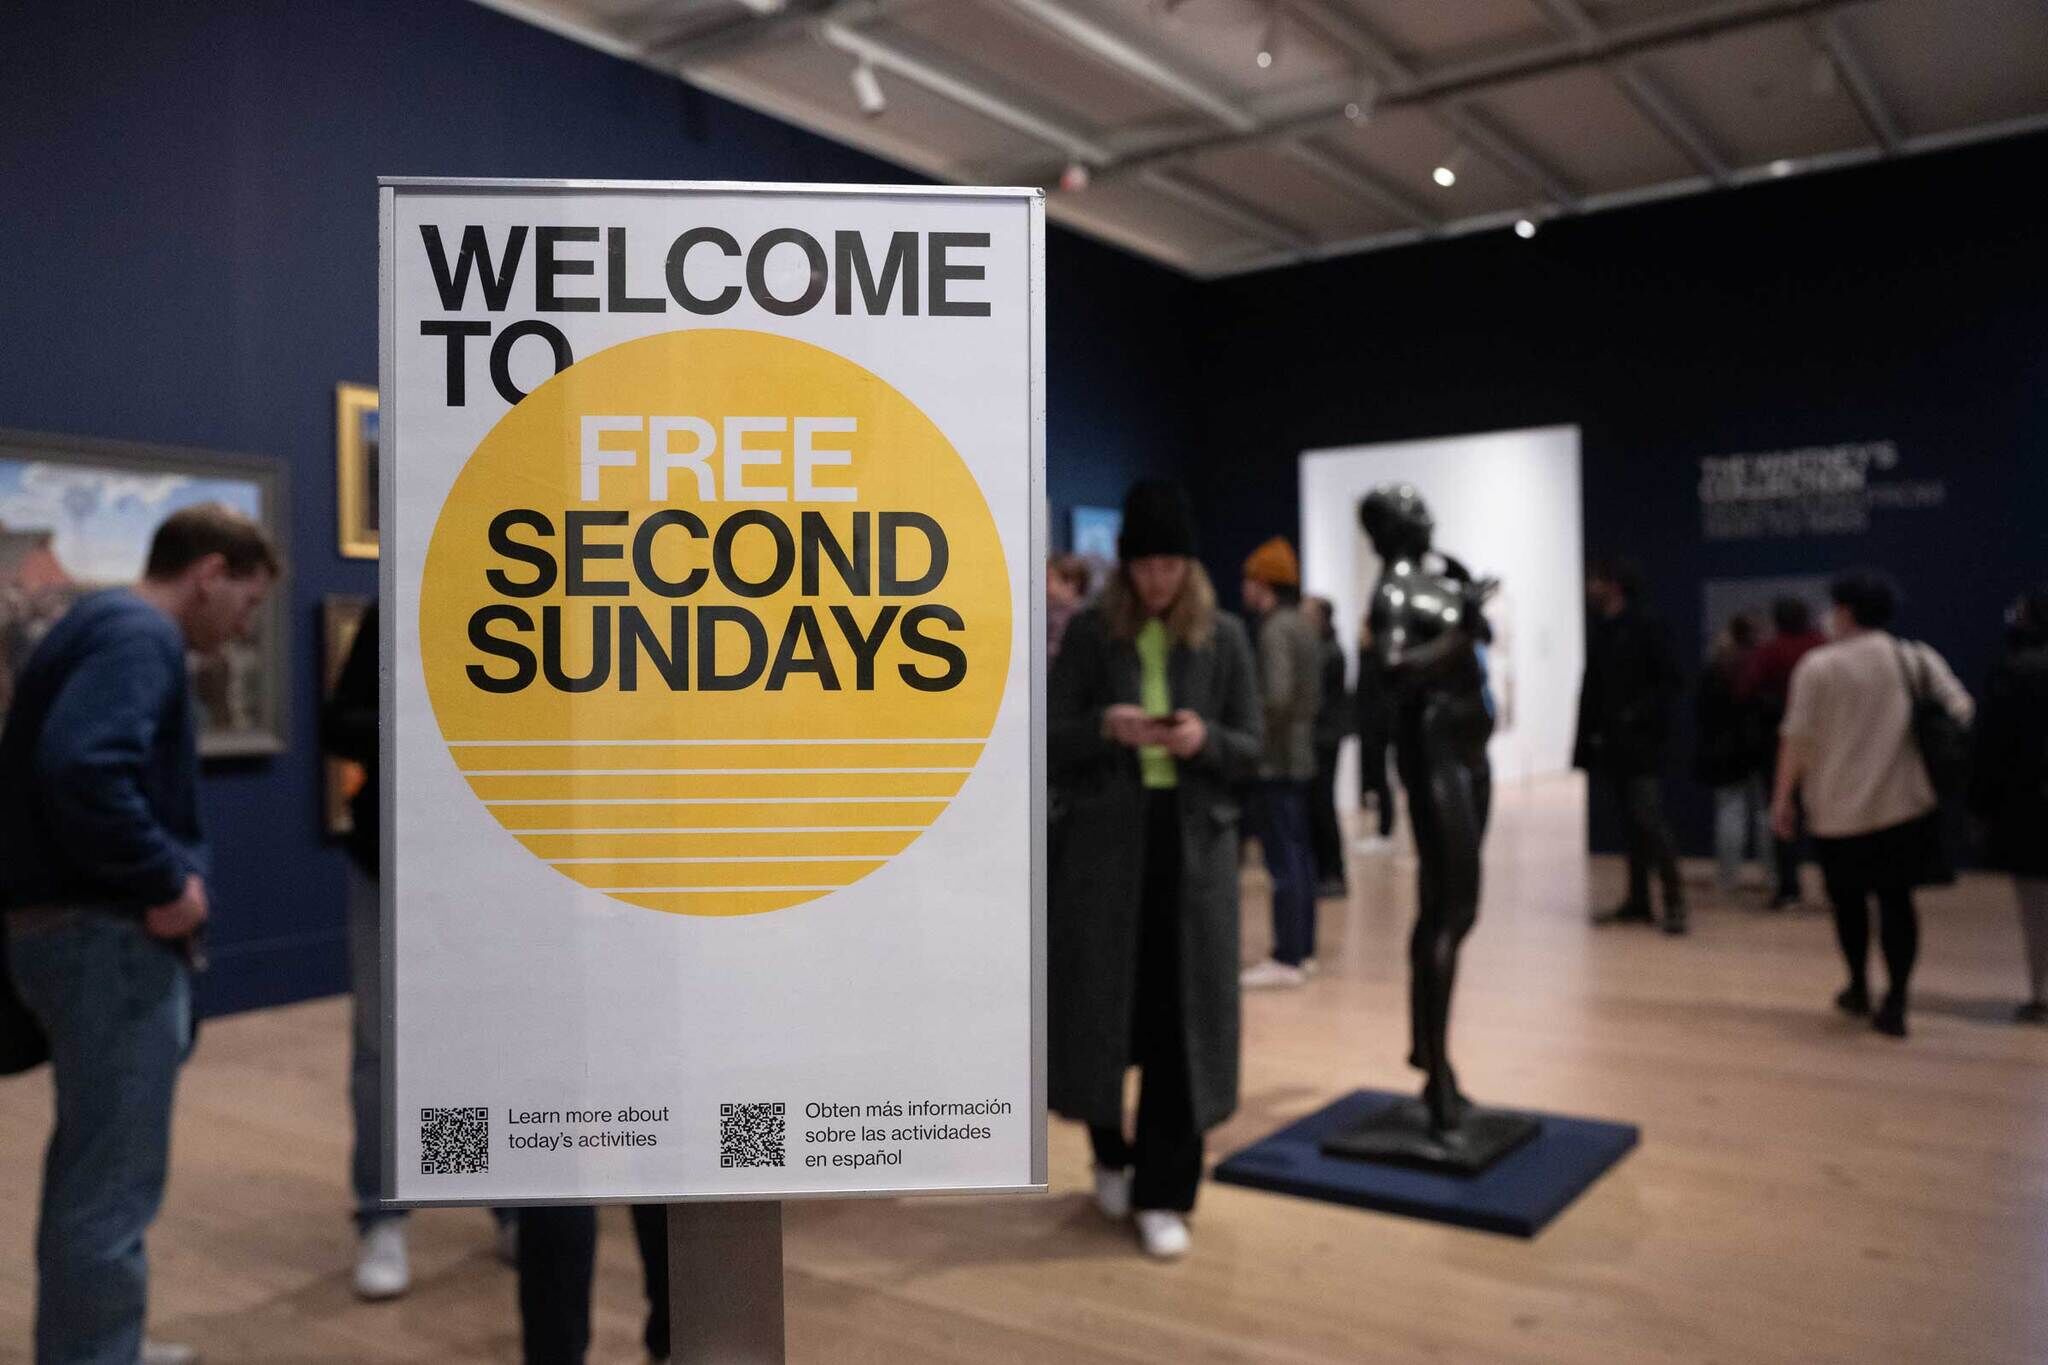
188	235
1906	302
189	239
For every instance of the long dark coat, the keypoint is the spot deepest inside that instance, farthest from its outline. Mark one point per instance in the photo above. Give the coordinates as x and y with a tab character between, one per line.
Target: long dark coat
1632	681
2009	779
1096	861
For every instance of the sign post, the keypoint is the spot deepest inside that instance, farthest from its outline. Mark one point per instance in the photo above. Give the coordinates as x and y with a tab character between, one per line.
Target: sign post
725	1283
713	800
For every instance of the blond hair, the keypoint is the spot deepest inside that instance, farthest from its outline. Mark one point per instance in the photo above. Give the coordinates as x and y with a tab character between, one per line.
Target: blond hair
1190	618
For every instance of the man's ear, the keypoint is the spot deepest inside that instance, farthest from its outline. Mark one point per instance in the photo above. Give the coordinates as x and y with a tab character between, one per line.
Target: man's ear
209	570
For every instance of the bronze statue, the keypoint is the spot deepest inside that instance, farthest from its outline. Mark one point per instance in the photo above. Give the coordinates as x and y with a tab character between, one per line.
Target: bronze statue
1427	628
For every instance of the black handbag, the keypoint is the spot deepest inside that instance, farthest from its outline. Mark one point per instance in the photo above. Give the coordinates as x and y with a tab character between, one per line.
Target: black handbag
22	1044
1943	743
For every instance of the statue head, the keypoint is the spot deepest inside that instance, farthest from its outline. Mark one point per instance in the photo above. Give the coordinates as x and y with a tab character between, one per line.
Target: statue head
1397	520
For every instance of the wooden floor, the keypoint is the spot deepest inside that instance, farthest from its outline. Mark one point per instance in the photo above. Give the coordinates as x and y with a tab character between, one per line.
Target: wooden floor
1806	1190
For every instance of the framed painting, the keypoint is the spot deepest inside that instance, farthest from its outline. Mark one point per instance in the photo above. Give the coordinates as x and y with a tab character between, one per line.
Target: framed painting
355	468
78	514
1093	532
341	615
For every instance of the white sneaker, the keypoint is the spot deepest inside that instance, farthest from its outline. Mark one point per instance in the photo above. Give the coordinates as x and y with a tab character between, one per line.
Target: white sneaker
1271	975
382	1271
1163	1233
167	1353
1113	1192
1371	843
1309	966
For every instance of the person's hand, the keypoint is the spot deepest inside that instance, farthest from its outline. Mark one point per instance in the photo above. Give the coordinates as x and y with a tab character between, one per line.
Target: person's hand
178	919
1186	735
1129	726
1784	818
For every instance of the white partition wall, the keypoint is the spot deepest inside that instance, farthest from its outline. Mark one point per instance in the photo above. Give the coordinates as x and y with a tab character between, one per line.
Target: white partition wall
1507	504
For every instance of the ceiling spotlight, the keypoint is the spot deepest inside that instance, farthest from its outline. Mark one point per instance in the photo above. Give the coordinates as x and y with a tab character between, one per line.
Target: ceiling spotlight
867	91
1360	109
1781	168
1446	173
1074	178
1525	228
1269	41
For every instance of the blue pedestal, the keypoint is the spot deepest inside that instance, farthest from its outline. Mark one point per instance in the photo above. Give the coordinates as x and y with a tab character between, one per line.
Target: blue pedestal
1519	1194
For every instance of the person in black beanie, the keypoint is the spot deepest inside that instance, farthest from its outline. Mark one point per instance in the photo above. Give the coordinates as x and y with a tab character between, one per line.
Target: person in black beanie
1152	717
2009	782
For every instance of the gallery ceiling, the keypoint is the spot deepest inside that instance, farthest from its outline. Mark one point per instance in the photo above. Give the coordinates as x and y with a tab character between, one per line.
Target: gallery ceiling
1220	136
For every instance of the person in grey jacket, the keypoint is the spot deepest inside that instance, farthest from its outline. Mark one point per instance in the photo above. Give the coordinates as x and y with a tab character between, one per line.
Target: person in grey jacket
1333	725
1290	678
1152	715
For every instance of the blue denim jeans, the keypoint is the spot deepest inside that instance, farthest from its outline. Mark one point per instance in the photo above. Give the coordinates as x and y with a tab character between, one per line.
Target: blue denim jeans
366	1051
1280	819
1742	820
117	1006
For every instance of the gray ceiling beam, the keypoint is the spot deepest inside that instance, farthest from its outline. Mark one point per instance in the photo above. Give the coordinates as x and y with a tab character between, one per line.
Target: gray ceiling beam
744	35
1342	28
1116	51
1374	53
928	75
1635	39
1426	90
1870	102
1228	209
1480	134
1346	176
1665	116
1571	17
1649	98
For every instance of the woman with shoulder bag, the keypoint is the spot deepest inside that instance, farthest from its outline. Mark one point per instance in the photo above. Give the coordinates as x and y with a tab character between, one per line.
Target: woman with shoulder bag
2009	782
1152	713
1850	753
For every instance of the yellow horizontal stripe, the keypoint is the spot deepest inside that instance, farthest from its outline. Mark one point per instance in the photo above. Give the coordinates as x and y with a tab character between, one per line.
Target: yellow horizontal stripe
731	785
585	758
717	741
625	815
719	903
629	876
659	843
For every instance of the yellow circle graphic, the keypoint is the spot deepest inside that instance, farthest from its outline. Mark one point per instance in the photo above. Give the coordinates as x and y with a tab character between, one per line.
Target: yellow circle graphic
715	622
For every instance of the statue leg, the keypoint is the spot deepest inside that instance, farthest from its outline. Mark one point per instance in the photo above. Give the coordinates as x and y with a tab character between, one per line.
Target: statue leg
1457	815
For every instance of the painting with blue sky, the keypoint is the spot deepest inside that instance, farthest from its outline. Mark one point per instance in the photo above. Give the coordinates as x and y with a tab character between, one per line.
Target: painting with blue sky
73	524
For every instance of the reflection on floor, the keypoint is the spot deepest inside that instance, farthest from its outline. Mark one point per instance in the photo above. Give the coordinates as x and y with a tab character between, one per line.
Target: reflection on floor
1806	1190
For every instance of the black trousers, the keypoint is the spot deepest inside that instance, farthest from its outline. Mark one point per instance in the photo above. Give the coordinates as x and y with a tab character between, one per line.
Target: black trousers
557	1259
1651	849
1373	782
1166	1155
1857	870
1785	852
1325	835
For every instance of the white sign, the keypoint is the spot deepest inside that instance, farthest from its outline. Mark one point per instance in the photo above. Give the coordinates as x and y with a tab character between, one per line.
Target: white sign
712	585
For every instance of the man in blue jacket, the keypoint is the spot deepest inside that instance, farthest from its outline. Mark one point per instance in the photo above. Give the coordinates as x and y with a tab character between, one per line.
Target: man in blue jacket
104	867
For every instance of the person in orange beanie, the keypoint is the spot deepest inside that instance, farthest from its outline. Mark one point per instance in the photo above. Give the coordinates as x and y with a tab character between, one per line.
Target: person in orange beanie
1291	684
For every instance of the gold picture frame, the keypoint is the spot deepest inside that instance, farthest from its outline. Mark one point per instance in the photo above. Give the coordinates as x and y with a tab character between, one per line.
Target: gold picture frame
356	454
341	778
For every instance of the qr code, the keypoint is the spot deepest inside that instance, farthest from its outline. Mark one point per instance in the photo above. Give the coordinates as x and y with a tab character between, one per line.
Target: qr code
750	1134
455	1141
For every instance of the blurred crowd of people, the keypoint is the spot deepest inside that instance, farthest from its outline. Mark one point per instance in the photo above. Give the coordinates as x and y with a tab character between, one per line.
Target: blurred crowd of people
1174	728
